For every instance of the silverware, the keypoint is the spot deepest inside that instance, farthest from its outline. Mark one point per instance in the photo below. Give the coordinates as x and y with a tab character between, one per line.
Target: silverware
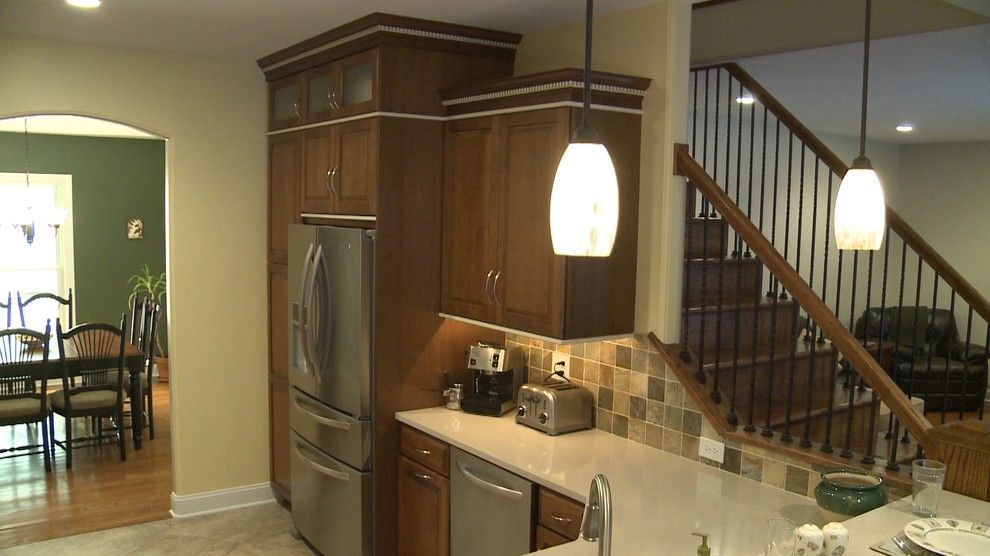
904	546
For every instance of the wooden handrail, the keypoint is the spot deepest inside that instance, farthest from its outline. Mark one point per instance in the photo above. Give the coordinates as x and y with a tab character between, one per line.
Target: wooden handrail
843	340
928	253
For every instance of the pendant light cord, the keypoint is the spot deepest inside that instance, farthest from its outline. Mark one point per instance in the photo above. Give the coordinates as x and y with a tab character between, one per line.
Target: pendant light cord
866	81
27	174
589	16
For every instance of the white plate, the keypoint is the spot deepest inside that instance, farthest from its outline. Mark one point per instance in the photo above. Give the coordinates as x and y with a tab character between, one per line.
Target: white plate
950	537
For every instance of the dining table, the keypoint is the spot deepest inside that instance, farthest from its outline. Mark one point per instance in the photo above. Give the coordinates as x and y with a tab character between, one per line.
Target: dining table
134	361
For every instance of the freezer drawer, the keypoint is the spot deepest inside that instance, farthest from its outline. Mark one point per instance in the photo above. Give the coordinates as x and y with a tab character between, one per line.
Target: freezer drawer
336	434
490	509
331	502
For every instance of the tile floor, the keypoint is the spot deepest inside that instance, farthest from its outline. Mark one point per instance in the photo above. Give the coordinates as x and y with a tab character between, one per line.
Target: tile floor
263	529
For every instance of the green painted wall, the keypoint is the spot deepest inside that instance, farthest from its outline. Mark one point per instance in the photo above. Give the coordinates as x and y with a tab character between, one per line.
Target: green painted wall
112	180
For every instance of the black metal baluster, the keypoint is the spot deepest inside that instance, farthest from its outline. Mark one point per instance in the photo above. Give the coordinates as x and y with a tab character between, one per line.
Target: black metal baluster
718	91
685	351
787	205
750	418
931	325
892	459
694	117
703	306
737	246
806	437
704	154
948	353
969	336
914	334
883	310
752	148
986	356
786	437
771	364
847	445
827	245
830	408
772	292
868	456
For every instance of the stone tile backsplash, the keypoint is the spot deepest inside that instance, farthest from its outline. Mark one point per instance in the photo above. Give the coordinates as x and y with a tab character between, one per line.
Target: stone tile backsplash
639	399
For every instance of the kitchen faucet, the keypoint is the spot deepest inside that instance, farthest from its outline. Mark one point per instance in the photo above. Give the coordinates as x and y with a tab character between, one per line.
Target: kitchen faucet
596	523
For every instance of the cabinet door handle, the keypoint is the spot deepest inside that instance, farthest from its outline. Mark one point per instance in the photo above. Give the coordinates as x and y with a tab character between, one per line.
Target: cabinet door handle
295	108
488	283
495	287
422	476
422	451
332	177
559	519
334	103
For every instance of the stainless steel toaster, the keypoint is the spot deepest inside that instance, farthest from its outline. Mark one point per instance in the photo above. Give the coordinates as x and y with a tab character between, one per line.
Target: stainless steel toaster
555	408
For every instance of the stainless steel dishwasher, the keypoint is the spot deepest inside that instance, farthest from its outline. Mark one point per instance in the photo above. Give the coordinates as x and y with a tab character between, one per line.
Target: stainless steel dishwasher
490	509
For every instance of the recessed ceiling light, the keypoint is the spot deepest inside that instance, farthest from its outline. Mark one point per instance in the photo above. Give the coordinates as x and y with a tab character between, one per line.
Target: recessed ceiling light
84	3
905	127
745	99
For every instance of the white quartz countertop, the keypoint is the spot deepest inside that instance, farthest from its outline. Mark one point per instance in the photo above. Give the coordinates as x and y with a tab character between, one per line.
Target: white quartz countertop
658	499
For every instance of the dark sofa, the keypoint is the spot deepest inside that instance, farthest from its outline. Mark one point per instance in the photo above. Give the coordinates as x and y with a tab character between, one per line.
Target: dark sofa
929	361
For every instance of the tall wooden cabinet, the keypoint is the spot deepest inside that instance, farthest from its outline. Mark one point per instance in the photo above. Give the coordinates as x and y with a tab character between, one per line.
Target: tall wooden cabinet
356	139
499	264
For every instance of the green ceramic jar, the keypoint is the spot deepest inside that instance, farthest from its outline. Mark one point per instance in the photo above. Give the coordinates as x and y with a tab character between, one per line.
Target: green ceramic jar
849	492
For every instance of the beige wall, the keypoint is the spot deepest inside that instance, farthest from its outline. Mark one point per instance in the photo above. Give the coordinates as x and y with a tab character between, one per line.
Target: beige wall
212	112
653	42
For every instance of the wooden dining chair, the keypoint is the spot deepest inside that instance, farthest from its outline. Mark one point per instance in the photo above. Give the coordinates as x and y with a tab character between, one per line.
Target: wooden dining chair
7	308
146	341
24	385
40	297
138	319
94	352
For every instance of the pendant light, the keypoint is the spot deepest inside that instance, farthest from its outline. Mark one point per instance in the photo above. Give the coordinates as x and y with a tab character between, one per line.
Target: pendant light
860	208
26	216
584	202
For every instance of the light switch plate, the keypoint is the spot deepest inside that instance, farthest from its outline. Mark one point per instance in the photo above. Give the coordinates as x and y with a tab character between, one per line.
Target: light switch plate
711	449
561	361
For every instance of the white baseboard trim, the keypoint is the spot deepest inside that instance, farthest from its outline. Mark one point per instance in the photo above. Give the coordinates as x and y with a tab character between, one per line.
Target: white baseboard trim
190	505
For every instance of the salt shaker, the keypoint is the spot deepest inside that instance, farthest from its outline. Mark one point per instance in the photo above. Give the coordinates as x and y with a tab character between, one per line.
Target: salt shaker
836	538
809	540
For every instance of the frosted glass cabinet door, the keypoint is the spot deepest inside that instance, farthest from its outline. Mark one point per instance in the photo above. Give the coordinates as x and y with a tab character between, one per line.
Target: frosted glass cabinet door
322	93
358	82
285	101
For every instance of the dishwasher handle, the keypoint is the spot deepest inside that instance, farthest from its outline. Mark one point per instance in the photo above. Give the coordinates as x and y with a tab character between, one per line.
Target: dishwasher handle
490	487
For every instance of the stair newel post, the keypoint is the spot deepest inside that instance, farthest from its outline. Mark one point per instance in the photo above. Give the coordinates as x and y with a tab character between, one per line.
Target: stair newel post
752	148
772	292
826	246
704	144
787	205
694	118
868	456
771	364
969	336
945	393
850	371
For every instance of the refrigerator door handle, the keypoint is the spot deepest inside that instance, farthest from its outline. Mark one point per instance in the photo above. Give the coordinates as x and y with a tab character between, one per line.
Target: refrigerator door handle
326	315
334	474
490	487
298	403
308	338
300	318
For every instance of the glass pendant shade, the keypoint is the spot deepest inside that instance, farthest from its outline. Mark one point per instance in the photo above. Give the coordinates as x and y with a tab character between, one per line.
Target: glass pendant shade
584	202
860	210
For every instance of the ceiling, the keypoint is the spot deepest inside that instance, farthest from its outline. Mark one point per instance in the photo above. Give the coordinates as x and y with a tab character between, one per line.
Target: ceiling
72	125
255	28
938	81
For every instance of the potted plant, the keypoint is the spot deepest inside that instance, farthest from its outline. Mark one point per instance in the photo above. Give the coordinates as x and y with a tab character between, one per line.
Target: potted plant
152	287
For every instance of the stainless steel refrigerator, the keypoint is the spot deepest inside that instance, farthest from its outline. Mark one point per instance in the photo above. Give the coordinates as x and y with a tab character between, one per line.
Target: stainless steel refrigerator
331	373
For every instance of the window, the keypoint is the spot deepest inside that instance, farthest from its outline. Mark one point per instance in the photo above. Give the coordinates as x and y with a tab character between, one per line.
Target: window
46	265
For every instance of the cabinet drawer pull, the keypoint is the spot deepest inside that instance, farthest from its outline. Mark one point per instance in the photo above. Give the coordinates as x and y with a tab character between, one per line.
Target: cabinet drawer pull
422	476
424	452
559	519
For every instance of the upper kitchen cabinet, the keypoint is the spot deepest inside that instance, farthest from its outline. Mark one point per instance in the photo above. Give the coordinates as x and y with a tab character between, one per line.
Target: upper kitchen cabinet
285	102
499	265
341	163
342	88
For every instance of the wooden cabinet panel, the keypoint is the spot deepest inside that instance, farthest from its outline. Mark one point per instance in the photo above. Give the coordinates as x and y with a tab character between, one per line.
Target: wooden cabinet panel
317	195
560	513
278	396
285	102
423	511
424	449
471	218
284	178
546	538
357	84
278	319
320	93
530	289
355	183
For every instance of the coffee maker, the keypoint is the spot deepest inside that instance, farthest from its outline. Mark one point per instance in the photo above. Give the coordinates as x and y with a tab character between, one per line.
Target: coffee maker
497	374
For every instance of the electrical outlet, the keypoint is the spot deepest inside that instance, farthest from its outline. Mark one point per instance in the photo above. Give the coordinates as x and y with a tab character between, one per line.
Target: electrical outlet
711	449
561	361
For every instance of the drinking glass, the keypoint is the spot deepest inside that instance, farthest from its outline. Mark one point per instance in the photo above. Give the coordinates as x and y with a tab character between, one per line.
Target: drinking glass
927	477
780	537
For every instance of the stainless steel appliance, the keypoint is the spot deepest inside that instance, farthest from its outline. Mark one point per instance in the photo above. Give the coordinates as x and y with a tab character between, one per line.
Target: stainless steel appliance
556	407
490	508
331	373
497	374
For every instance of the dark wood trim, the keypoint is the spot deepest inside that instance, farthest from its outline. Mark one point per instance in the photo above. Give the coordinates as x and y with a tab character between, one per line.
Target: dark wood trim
375	19
897	224
545	78
834	330
711	4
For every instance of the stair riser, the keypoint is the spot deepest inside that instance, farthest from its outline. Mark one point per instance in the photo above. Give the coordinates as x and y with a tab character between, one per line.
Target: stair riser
742	281
821	377
708	321
860	428
697	246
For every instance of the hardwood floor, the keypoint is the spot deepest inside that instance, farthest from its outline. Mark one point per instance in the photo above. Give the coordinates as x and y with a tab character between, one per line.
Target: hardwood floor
99	492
